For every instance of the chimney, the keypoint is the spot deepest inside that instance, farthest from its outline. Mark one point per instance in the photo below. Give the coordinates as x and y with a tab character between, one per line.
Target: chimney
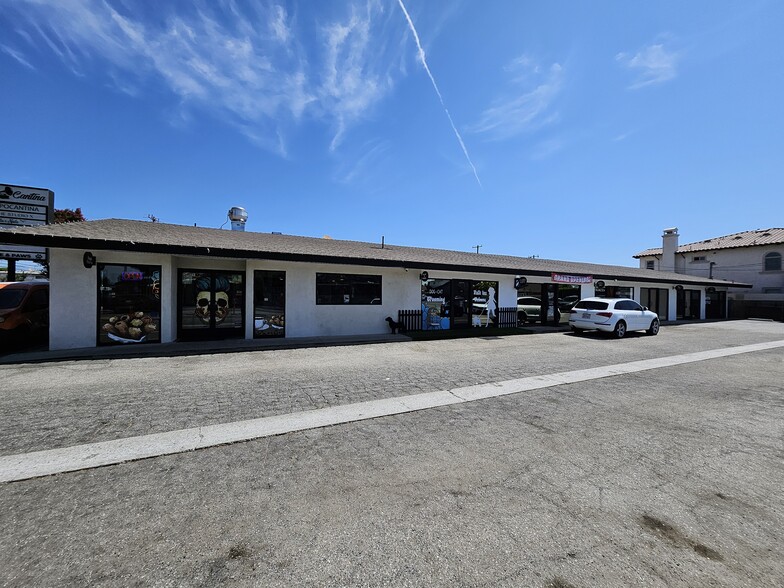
669	248
238	218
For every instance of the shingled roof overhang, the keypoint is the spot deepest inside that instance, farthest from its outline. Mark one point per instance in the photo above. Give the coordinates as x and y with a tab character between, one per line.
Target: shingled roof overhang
180	240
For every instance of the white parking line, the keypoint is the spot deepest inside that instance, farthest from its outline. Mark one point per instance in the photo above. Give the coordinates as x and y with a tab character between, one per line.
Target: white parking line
55	461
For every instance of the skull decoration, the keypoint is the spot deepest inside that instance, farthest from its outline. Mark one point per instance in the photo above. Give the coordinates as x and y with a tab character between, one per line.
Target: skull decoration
203	305
206	309
221	306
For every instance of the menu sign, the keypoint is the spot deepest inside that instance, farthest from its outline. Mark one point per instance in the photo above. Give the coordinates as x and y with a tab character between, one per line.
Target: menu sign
22	206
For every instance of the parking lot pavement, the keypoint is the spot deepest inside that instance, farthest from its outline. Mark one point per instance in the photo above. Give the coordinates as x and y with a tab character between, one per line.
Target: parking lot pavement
668	477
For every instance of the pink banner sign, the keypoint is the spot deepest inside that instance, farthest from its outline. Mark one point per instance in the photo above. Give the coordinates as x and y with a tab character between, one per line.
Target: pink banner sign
567	279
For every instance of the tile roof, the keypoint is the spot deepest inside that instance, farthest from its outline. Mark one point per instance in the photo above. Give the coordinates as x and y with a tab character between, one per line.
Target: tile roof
143	236
744	239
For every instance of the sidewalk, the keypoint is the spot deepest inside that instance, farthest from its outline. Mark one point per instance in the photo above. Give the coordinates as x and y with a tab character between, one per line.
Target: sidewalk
193	348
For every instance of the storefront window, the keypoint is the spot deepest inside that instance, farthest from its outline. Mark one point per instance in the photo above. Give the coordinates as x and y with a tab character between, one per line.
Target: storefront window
348	289
485	304
269	304
568	296
458	304
129	304
615	292
657	300
436	298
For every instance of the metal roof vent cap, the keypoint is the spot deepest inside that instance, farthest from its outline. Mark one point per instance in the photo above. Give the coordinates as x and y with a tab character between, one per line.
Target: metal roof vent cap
238	217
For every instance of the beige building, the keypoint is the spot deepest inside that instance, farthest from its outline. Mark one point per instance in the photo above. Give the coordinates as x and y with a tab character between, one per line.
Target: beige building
751	257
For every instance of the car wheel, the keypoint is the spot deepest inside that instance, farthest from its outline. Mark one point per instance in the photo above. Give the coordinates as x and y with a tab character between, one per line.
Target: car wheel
620	330
522	318
577	331
654	328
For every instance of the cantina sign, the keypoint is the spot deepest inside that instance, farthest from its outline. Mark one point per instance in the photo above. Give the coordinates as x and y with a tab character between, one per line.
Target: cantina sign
21	206
567	279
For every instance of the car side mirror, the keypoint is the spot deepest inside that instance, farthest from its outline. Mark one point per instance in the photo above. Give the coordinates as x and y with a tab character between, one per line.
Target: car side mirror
645	308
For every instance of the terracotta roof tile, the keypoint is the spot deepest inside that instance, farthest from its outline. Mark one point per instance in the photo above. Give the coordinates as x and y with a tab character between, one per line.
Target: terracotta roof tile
744	239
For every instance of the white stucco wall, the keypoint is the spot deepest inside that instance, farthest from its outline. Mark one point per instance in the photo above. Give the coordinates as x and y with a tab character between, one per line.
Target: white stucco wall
73	295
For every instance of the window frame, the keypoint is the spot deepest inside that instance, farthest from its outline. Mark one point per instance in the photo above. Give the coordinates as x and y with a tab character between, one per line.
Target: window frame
158	317
351	282
771	255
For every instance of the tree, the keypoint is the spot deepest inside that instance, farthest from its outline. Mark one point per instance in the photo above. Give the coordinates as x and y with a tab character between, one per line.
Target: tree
66	215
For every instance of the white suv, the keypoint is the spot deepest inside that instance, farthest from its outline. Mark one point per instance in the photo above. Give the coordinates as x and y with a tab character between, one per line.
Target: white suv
612	315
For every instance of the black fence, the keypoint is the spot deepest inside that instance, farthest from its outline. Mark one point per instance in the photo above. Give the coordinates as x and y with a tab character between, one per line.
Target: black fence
764	309
412	319
507	317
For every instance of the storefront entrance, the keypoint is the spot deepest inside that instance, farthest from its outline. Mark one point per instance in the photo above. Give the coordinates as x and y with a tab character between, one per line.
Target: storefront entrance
210	304
546	304
716	305
687	304
459	304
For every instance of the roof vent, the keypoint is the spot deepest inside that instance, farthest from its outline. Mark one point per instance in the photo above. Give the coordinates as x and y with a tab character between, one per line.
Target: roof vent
736	237
238	217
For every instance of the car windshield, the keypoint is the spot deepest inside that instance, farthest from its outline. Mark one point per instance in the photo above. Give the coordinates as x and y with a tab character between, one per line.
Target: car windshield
11	297
591	305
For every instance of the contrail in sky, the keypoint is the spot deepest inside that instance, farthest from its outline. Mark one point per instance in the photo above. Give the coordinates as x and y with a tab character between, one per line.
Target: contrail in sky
435	86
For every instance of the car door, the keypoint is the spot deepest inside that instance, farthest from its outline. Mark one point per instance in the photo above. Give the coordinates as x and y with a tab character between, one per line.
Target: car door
637	317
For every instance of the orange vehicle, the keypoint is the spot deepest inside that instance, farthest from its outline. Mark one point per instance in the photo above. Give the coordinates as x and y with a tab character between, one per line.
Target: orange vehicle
24	312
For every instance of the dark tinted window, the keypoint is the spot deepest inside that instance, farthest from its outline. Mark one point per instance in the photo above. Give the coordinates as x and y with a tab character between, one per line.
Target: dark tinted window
772	262
348	289
627	305
11	297
591	305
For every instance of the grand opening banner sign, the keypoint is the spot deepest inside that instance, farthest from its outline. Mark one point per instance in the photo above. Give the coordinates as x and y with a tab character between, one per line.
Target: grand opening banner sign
23	206
567	279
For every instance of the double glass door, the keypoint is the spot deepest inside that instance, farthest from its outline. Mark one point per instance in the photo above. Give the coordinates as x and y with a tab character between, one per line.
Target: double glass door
211	304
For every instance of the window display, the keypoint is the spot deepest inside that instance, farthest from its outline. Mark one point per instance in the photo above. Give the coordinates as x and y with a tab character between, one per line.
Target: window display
485	304
436	298
129	304
269	304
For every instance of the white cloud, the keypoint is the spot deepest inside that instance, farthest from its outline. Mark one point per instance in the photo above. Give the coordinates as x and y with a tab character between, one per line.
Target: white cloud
654	64
350	83
16	55
249	65
528	105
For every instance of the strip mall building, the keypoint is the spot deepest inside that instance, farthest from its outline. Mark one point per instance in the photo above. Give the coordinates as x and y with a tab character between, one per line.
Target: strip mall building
118	282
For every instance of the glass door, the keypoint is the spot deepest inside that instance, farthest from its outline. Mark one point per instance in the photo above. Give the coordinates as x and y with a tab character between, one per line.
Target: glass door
211	304
269	303
462	299
687	304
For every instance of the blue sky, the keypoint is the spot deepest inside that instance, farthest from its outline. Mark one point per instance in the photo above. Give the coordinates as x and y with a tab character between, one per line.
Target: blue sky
566	130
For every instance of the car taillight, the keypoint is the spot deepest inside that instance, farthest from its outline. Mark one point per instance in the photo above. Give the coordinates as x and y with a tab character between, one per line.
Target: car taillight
604	314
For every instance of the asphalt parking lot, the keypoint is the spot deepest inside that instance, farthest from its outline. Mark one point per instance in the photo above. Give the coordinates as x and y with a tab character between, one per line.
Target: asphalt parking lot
667	477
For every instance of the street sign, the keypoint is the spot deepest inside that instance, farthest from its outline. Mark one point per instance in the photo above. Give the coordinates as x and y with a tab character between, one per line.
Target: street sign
23	206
